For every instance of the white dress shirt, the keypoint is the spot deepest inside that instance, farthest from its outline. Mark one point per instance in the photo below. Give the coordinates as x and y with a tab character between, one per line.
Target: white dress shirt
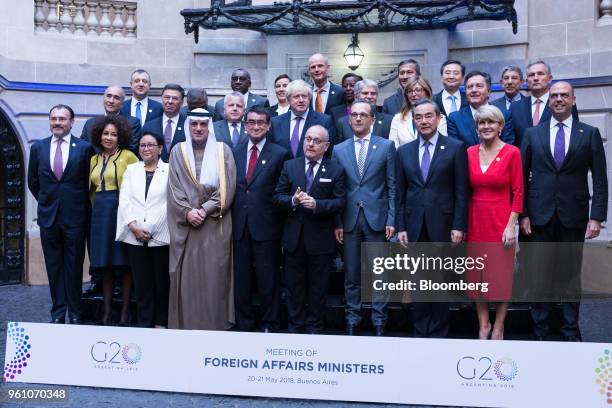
282	109
315	168
567	130
432	148
324	95
544	99
447	102
259	145
358	145
144	106
65	146
292	124
230	126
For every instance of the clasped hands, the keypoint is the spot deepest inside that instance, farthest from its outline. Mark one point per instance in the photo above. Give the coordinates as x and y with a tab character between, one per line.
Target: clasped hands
140	234
196	216
302	198
456	237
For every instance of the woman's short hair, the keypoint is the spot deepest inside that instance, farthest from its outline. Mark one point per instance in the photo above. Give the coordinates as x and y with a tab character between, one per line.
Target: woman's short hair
419	80
298	85
281	76
158	138
124	131
489	113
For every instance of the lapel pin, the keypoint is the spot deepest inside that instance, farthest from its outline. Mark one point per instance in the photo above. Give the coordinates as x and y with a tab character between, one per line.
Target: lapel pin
380	122
581	131
263	162
323	169
442	147
180	128
150	110
497	159
333	92
374	147
74	145
253	100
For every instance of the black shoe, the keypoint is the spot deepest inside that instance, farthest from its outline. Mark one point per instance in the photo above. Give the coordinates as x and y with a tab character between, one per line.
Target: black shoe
379	331
572	338
352	330
59	320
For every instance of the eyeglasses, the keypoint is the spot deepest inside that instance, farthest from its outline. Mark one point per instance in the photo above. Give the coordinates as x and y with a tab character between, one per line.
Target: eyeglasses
251	122
316	142
147	146
356	115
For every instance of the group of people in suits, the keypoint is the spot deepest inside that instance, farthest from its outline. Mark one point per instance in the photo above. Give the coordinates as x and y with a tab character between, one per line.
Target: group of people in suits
321	168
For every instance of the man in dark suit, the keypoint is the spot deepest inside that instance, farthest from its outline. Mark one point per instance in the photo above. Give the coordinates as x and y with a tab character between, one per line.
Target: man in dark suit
289	128
511	80
366	90
461	124
112	99
241	82
369	214
407	70
325	94
58	177
140	105
451	99
171	123
432	189
231	129
532	110
348	82
559	154
311	191
196	98
257	224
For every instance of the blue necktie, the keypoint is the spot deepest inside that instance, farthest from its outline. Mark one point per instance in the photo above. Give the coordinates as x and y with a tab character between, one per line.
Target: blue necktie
425	161
559	153
453	99
138	112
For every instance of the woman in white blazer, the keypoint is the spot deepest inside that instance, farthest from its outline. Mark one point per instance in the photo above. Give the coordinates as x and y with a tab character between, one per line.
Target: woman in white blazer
142	224
403	129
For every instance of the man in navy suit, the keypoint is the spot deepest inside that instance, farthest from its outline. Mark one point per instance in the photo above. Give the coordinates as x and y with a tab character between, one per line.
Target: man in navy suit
289	128
461	124
257	224
171	123
559	154
311	191
58	177
407	70
196	98
532	110
367	90
451	99
432	189
231	129
348	82
369	214
140	105
112	100
325	94
511	80
240	81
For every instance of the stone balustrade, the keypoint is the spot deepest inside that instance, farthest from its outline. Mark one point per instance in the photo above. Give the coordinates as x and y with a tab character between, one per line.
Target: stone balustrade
103	19
605	12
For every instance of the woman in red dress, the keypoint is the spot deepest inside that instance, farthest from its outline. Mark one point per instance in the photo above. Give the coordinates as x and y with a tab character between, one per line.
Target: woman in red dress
496	181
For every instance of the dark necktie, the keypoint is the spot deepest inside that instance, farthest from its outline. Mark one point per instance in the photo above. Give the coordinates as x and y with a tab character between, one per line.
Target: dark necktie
425	161
252	163
139	113
559	153
168	135
310	175
295	136
58	163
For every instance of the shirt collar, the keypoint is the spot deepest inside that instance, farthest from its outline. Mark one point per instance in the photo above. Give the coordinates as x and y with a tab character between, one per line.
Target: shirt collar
308	161
366	138
143	101
324	87
303	115
65	138
457	95
433	140
516	97
543	98
259	145
174	118
567	122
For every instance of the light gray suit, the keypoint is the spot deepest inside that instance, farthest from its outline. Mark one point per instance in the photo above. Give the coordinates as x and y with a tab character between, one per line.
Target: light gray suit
370	207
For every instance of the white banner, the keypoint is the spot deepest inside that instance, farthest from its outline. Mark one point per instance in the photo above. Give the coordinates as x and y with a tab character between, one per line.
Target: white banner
395	370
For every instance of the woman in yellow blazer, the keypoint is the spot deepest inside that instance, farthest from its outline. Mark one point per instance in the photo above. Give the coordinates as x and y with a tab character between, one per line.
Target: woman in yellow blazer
112	136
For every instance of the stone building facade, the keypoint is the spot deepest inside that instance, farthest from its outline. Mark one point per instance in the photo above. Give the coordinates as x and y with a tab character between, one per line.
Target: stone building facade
69	57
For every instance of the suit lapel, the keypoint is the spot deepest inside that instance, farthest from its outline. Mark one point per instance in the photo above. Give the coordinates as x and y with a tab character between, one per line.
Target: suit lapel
301	174
472	124
317	177
546	114
544	136
241	158
372	148
47	156
439	150
378	124
414	161
349	151
576	137
72	151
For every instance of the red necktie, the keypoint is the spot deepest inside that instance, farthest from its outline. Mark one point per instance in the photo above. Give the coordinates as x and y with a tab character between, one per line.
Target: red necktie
252	163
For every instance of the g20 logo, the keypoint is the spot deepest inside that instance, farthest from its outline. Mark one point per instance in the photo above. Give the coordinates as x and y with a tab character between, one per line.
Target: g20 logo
485	369
114	353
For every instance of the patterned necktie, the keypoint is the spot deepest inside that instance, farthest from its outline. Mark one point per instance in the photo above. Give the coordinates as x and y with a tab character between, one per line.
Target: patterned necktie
235	134
425	161
168	135
252	163
295	136
362	156
139	113
559	153
310	175
536	112
453	99
58	163
319	101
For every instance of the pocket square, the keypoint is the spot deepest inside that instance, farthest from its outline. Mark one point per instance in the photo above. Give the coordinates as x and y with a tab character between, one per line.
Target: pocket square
325	180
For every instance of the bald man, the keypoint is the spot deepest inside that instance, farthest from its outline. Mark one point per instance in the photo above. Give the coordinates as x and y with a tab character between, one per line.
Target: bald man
113	100
325	94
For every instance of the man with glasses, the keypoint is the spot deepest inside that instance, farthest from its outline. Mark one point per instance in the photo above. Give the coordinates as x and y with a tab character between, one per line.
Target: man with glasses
369	214
368	90
289	128
240	81
171	123
311	191
257	224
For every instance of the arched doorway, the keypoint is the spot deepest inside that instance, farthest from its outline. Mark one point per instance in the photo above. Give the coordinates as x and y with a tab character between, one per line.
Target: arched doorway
12	201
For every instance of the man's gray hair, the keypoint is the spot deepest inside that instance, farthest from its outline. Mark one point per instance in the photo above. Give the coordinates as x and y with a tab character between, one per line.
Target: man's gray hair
422	102
320	128
362	84
233	94
371	105
298	85
543	63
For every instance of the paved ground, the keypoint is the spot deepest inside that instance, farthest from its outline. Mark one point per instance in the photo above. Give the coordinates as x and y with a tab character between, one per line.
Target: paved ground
32	303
